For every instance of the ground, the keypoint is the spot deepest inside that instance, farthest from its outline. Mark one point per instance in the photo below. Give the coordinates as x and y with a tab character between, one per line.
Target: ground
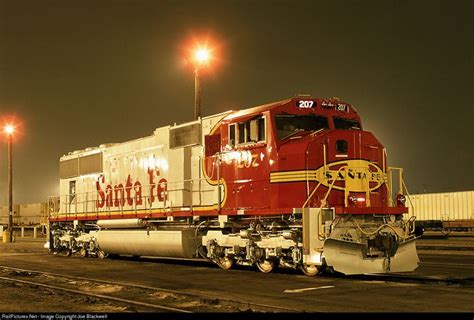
449	276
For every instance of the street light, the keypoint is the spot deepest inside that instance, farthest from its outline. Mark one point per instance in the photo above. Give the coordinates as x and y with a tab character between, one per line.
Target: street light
9	130
202	56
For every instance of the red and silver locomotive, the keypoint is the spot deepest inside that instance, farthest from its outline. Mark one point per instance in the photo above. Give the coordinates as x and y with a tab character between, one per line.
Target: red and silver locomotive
295	183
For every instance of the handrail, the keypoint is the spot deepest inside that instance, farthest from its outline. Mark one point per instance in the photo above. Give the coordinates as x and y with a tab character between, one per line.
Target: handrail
332	185
402	189
324	178
389	184
411	204
82	202
311	195
320	220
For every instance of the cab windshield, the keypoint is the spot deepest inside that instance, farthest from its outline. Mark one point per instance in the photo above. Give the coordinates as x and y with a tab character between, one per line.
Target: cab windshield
290	124
346	124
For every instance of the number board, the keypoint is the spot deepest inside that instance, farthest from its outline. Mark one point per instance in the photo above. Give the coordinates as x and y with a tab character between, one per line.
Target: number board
342	107
306	104
328	104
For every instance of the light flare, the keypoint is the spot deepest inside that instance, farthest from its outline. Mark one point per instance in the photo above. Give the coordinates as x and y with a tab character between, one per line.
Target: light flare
202	52
11	126
9	129
202	55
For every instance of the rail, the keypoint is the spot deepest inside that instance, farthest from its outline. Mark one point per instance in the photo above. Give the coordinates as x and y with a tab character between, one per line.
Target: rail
202	298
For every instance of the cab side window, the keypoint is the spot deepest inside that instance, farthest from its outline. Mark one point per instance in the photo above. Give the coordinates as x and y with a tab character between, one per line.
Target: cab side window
261	129
241	129
232	135
251	131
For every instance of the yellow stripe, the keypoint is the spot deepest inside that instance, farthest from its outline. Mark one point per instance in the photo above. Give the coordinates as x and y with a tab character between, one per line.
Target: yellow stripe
296	176
290	173
204	208
293	176
293	180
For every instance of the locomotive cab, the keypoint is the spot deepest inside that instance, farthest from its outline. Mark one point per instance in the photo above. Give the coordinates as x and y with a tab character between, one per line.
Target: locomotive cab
331	164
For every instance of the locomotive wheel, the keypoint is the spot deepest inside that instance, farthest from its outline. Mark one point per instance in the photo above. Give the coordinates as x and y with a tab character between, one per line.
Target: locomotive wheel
83	252
310	269
101	254
266	266
225	262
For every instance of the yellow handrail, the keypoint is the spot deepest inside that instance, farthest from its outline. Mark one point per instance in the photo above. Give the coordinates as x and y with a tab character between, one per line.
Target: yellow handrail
320	220
311	195
332	184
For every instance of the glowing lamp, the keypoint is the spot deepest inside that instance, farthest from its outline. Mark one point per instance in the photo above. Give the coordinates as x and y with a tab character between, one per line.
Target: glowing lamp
202	55
401	200
352	200
9	129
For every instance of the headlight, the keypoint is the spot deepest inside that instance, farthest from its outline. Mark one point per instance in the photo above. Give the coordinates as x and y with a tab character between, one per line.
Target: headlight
401	200
351	200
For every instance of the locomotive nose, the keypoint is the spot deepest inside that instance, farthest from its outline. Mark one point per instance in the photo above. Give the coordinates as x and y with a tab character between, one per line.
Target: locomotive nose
354	144
354	172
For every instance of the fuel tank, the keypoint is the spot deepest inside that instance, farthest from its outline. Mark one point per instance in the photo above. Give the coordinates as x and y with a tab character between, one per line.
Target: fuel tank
158	243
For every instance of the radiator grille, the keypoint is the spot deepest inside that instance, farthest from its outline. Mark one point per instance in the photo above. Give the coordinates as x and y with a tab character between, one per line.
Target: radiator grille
90	164
185	136
80	166
69	168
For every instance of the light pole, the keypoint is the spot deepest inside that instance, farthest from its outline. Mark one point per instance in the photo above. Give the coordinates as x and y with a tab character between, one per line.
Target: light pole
9	129
201	58
197	94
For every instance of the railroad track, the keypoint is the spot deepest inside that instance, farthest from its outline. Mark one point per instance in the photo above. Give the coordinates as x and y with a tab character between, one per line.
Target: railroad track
389	277
455	265
414	279
196	303
100	296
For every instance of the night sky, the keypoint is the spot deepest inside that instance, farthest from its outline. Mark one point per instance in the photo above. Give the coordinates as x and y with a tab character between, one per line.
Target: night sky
81	73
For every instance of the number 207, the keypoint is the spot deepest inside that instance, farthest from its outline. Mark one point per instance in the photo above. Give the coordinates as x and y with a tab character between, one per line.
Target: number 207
305	104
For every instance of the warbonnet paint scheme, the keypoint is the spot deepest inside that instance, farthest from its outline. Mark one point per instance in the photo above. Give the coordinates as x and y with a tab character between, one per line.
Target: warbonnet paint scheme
295	183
